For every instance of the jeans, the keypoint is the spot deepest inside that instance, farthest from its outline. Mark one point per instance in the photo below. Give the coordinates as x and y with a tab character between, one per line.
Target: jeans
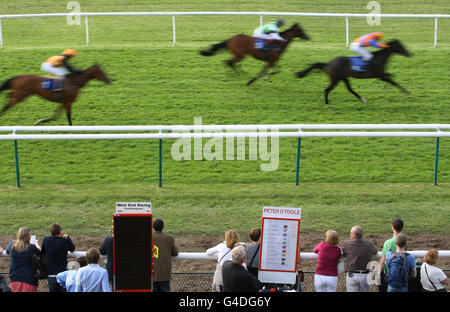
161	286
53	285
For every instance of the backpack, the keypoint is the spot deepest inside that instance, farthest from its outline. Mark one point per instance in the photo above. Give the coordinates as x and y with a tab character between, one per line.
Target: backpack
397	275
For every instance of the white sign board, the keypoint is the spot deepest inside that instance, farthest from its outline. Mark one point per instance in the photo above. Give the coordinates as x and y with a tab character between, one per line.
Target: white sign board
279	245
133	207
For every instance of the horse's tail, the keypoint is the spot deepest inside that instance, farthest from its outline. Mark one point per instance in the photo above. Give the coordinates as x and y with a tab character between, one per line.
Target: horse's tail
214	48
305	72
7	84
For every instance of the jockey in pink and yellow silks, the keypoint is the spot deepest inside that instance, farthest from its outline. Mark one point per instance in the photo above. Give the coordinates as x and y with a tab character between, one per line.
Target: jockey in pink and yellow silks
358	45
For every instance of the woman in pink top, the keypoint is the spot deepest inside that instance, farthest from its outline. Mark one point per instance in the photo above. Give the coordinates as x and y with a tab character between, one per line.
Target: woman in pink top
326	274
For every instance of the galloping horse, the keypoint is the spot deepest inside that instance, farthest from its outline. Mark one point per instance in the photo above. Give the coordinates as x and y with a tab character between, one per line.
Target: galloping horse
241	45
26	85
340	69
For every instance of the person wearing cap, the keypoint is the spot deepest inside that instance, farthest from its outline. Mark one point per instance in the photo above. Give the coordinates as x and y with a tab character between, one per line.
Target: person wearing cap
360	44
57	65
269	33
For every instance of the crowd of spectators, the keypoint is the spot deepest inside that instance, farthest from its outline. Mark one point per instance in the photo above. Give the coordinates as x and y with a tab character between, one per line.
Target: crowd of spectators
237	263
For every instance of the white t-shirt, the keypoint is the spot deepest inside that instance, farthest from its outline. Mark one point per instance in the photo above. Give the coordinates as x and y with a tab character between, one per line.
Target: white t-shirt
435	274
222	252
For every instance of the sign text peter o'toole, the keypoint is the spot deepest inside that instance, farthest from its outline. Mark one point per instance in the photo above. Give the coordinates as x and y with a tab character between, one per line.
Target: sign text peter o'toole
281	211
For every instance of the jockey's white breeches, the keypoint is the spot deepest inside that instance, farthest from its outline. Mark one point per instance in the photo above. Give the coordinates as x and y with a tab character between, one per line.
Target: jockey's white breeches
358	48
272	36
57	71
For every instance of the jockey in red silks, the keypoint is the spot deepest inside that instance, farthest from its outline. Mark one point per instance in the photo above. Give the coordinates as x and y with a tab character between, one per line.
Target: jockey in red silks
358	45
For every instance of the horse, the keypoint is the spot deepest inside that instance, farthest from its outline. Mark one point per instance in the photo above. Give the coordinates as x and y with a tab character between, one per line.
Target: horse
26	85
340	69
241	45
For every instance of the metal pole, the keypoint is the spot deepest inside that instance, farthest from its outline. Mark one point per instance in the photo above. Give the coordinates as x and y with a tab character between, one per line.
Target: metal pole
297	169
1	34
160	162
87	31
260	21
174	31
436	160
16	157
346	32
435	31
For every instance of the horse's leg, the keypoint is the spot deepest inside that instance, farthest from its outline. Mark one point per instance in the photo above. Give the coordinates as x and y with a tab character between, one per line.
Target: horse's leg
349	88
392	82
333	84
261	74
234	60
55	115
68	107
14	99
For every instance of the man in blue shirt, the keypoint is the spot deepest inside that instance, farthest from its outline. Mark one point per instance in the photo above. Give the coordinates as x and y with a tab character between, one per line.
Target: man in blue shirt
92	278
410	266
67	278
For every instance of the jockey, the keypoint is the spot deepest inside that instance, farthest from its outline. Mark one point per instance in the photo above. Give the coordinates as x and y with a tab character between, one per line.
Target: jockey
57	65
269	31
358	45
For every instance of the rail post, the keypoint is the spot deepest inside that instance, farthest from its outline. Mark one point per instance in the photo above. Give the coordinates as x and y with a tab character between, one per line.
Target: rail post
436	160
347	35
435	31
1	34
160	162
16	159
174	31
297	168
87	30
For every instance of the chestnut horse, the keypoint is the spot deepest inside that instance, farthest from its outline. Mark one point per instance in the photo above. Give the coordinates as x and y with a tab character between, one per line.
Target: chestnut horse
26	85
241	45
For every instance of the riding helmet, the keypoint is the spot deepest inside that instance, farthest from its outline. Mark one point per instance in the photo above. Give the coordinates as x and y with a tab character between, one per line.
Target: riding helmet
280	22
71	52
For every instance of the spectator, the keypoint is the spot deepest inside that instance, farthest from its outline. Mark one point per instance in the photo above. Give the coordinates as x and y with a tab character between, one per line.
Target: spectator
399	265
3	284
107	249
67	278
389	245
326	275
253	251
432	278
358	253
21	272
235	276
164	249
55	249
92	278
223	253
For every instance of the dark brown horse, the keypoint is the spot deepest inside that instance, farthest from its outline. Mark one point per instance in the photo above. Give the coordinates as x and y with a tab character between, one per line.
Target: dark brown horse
26	85
340	69
241	45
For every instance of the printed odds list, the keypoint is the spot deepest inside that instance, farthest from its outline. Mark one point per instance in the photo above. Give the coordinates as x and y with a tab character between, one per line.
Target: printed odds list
280	236
280	245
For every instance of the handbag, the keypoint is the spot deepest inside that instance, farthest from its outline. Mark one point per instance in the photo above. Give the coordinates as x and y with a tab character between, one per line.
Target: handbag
341	263
217	283
39	267
435	289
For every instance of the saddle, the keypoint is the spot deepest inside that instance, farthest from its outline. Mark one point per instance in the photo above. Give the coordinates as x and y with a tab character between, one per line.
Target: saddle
358	65
264	44
53	84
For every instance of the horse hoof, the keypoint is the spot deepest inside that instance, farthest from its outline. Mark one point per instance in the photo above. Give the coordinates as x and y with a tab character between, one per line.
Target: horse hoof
364	100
